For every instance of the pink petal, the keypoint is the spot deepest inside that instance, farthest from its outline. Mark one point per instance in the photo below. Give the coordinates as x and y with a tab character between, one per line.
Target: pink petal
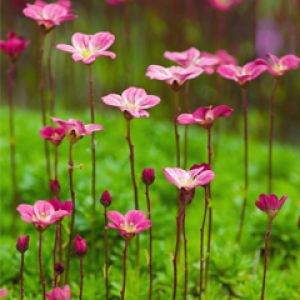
175	175
113	100
43	207
135	216
291	61
222	111
158	72
200	113
205	177
101	41
186	119
148	101
116	217
143	226
26	211
228	71
93	127
133	94
66	48
80	41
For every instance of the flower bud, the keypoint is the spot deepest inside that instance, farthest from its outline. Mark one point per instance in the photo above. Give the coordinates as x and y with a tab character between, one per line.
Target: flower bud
22	243
59	268
106	198
54	187
148	176
80	246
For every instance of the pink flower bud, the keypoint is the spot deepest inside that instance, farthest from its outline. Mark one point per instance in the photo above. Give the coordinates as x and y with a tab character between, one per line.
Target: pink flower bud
148	176
80	246
106	198
54	187
22	243
59	268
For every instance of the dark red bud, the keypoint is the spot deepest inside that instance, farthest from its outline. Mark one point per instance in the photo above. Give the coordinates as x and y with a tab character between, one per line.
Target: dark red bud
106	198
148	176
22	243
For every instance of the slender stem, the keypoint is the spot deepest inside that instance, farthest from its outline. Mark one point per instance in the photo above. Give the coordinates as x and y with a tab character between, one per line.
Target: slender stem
71	165
54	251
202	230
50	75
93	152
56	162
106	255
124	269
177	246
42	278
176	131
60	249
245	196
43	101
186	128
12	137
22	277
271	131
185	258
267	242
150	242
81	277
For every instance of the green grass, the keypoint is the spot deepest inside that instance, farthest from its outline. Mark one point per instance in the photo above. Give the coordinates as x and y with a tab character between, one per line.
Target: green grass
234	268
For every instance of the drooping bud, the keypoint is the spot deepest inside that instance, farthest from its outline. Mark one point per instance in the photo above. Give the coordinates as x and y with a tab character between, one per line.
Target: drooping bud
59	268
106	198
54	187
186	197
148	176
80	246
22	243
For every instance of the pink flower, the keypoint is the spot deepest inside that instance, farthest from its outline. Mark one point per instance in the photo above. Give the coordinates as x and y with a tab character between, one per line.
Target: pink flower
14	45
115	2
132	223
191	57
87	47
52	134
279	66
49	15
189	180
205	116
80	246
174	76
242	75
22	243
59	205
59	293
41	214
75	130
3	293
224	5
133	100
270	203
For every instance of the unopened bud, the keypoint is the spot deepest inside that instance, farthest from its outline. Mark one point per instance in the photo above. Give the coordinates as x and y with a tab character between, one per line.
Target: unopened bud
80	246
59	268
22	243
106	198
148	176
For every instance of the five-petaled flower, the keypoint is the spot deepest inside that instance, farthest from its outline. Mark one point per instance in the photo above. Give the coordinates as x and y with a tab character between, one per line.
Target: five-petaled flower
133	100
132	223
279	66
75	129
242	75
189	179
87	47
52	134
41	214
49	15
205	116
175	76
270	204
59	293
14	45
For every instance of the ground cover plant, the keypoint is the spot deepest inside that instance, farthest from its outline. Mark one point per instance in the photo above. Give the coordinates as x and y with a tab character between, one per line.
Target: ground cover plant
141	203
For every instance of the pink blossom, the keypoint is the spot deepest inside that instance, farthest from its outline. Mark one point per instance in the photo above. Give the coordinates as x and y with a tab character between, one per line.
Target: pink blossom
41	214
270	203
52	134
87	47
80	246
175	76
205	116
224	5
242	75
14	45
59	205
22	243
75	129
133	100
279	66
189	179
59	293
132	223
49	15
115	2
3	293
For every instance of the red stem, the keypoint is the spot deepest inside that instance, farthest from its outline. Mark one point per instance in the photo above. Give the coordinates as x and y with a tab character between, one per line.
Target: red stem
124	269
42	278
81	277
176	131
245	196
22	277
150	242
186	128
266	252
12	137
71	165
54	251
271	131
185	258
106	255
50	75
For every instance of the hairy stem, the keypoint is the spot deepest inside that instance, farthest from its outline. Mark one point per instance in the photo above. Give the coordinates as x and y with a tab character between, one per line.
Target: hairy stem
22	277
124	269
106	255
245	196
271	132
186	128
150	242
176	130
42	278
266	252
